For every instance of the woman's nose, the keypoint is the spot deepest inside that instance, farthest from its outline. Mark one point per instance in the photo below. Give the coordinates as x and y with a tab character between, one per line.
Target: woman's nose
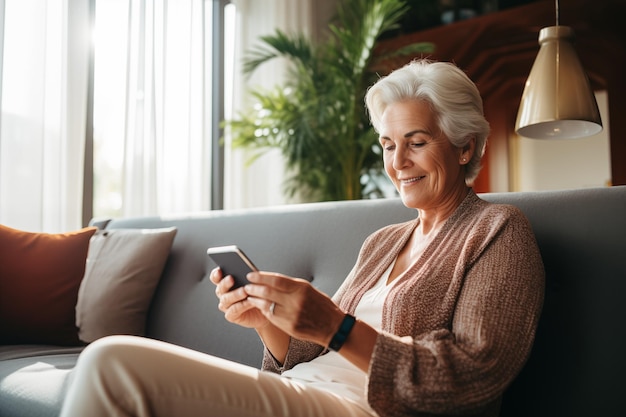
400	158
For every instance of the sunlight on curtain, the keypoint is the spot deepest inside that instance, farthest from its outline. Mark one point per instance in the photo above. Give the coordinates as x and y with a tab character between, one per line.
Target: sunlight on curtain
44	102
261	183
152	107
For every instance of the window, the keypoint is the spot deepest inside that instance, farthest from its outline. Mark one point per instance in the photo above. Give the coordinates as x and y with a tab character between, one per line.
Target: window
152	107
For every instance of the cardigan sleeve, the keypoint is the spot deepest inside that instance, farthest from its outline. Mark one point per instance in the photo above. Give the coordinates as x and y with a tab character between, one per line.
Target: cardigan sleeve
297	352
465	366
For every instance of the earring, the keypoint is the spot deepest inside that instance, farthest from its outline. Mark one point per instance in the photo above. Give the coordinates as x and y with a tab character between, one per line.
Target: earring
464	160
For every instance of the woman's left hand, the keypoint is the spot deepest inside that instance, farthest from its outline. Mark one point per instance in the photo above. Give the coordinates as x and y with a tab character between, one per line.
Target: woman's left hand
300	310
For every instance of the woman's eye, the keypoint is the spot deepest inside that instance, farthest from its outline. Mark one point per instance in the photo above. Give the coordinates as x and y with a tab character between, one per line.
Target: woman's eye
418	144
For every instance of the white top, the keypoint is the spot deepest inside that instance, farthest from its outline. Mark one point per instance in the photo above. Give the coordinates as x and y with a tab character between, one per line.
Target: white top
332	371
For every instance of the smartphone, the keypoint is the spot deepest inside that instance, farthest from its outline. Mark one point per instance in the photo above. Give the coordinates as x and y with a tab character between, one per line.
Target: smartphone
232	261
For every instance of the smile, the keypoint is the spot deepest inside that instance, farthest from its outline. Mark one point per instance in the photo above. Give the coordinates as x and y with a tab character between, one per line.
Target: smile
411	180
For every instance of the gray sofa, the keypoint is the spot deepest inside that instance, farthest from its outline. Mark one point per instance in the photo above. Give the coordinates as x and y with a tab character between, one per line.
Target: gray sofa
578	363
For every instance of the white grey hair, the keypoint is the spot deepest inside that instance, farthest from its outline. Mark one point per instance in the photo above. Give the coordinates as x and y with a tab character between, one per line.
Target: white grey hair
452	96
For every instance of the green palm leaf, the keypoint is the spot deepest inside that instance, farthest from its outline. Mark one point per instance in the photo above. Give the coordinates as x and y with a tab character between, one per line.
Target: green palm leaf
317	118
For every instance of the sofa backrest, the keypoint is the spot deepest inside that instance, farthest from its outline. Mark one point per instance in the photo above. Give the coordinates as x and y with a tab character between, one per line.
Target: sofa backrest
318	241
577	365
578	362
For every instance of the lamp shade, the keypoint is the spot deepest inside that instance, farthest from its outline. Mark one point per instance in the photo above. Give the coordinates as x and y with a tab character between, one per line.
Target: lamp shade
558	101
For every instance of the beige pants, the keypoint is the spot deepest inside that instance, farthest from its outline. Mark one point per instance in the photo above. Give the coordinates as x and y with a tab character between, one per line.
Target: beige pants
132	376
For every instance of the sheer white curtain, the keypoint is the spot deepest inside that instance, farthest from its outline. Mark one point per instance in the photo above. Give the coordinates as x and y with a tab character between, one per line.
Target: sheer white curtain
152	107
259	184
44	107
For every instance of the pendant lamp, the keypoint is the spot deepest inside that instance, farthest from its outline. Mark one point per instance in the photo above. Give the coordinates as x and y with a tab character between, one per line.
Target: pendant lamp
558	101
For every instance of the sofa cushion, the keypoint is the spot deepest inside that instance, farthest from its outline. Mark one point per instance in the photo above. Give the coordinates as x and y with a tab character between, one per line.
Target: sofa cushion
40	274
35	385
123	269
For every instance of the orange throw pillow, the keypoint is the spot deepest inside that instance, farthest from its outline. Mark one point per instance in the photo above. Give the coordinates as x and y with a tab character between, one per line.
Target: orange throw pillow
40	274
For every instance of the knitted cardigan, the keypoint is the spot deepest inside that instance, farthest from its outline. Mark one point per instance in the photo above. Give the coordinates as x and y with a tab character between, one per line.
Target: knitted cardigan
458	325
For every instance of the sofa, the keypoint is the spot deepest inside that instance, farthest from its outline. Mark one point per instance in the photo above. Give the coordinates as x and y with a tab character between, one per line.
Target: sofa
578	363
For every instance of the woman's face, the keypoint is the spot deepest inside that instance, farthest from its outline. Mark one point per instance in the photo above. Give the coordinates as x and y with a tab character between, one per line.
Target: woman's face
426	169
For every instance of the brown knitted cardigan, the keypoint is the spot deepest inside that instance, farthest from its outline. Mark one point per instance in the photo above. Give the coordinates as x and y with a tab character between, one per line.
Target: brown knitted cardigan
459	325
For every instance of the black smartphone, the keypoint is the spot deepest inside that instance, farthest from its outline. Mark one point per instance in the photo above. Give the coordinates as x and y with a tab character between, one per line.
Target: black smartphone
232	261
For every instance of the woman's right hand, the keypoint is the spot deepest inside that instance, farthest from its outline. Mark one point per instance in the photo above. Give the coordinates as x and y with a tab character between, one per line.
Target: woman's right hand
234	304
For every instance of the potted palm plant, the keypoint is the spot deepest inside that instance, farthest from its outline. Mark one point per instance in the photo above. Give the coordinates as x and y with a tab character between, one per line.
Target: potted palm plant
317	118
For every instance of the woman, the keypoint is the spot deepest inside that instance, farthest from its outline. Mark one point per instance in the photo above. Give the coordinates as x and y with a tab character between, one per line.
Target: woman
437	316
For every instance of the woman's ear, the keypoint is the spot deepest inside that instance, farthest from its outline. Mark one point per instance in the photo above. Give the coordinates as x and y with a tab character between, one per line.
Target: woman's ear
467	151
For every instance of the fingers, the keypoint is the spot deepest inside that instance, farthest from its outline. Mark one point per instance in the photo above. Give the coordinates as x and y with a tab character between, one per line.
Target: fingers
306	315
216	275
276	281
294	306
222	284
267	307
232	312
273	287
270	292
234	302
230	298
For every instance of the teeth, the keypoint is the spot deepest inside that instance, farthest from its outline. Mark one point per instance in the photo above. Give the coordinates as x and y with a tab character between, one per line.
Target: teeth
410	180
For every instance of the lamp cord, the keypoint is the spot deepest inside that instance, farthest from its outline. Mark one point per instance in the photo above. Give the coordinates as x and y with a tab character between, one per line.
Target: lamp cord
556	7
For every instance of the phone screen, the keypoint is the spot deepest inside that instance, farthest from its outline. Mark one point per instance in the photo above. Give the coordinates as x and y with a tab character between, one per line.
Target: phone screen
232	261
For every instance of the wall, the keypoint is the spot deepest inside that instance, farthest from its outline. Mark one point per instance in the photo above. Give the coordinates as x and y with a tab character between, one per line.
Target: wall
497	51
562	164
